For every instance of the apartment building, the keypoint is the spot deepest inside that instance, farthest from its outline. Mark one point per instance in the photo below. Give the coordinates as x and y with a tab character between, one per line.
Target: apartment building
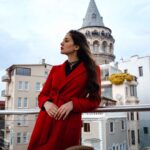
113	131
2	124
140	67
23	84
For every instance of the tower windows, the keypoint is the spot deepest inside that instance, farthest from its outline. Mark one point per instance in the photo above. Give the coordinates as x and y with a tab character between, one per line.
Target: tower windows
104	46
111	48
95	47
93	16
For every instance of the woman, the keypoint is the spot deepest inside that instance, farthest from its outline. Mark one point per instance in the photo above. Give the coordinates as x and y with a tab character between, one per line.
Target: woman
71	88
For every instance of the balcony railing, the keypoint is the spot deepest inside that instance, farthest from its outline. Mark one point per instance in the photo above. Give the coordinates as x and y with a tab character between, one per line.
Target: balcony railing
105	109
4	93
11	127
5	78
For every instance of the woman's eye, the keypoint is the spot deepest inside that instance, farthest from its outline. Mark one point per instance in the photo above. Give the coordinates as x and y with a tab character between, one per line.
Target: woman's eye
66	41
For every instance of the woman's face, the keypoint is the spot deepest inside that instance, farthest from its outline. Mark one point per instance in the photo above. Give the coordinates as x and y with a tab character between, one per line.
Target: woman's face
67	45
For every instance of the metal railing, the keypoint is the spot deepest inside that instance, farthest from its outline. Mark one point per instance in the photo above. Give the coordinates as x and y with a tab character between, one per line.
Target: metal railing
119	108
101	109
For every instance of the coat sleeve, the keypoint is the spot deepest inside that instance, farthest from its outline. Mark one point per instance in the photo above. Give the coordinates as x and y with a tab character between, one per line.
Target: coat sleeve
45	93
85	104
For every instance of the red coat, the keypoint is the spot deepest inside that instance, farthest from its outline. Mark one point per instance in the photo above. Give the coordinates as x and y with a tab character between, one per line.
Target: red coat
51	134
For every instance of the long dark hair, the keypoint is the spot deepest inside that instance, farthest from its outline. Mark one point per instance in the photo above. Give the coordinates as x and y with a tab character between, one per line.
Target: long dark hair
84	54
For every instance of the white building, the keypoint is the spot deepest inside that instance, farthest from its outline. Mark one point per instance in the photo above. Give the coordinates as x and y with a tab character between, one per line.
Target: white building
105	131
111	131
140	67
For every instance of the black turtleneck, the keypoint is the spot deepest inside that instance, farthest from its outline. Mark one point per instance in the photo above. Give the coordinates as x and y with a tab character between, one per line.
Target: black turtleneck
71	66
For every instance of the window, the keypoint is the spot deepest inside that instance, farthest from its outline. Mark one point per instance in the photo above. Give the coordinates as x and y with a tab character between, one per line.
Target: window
122	124
36	102
20	85
133	137
132	115
145	130
111	48
128	114
111	127
107	91
138	136
104	74
19	102
25	102
133	91
137	116
46	73
26	85
114	148
23	71
95	47
127	94
86	127
126	71
124	146
93	16
25	137
38	86
18	137
117	147
140	71
23	85
104	46
120	146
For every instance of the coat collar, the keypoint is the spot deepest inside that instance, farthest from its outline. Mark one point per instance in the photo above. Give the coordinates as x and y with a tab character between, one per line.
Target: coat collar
76	72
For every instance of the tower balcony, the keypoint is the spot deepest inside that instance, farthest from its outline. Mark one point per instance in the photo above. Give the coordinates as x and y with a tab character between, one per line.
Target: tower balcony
5	78
4	93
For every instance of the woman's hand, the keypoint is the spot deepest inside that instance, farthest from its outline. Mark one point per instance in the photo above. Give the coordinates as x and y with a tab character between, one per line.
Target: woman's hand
50	108
64	110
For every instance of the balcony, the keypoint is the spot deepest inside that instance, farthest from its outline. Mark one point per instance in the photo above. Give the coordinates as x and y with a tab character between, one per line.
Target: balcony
4	93
106	127
5	78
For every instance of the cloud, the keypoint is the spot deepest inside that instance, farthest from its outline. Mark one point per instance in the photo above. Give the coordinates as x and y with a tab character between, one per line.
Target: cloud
11	50
38	26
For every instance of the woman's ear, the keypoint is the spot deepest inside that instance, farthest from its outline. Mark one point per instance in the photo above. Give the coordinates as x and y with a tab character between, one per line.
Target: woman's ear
77	47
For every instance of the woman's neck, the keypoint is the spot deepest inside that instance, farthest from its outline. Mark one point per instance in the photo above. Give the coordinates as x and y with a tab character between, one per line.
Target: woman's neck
72	59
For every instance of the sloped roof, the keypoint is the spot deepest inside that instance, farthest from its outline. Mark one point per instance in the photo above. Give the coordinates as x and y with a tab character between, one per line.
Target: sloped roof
92	17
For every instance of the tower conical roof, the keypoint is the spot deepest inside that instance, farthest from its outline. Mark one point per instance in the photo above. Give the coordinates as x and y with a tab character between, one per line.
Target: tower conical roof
92	17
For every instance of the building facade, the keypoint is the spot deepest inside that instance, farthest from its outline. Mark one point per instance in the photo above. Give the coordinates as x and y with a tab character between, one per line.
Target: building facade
23	84
99	125
140	67
2	125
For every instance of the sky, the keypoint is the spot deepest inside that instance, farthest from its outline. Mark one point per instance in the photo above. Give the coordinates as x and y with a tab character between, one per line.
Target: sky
31	30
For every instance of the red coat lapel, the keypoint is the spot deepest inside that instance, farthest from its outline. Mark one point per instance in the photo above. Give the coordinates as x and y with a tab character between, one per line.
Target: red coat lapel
77	71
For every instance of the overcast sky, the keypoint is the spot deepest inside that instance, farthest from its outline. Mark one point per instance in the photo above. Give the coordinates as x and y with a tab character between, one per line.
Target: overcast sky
33	29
